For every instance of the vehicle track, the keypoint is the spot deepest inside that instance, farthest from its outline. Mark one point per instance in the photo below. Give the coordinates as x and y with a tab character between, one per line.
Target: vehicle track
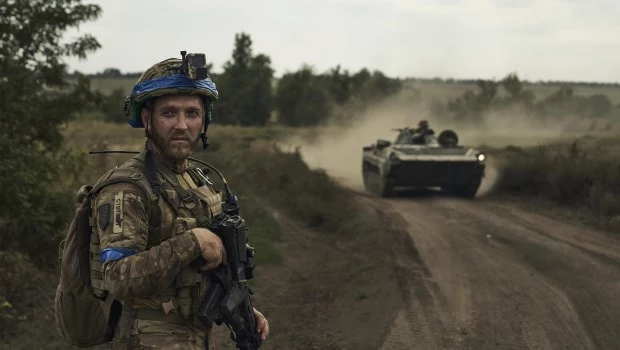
485	274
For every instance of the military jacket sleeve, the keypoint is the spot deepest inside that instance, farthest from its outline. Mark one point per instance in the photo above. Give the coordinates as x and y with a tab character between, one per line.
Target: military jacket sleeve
129	270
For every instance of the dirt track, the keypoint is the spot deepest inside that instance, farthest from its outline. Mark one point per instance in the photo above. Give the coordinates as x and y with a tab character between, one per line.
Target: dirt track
483	274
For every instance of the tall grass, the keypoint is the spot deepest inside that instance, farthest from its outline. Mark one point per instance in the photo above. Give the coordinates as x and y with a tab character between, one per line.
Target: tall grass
582	174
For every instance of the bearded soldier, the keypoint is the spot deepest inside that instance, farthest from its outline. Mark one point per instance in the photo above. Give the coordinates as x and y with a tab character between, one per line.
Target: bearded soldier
146	226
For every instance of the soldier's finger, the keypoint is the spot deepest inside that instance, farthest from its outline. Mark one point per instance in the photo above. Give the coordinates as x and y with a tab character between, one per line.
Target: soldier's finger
224	256
265	331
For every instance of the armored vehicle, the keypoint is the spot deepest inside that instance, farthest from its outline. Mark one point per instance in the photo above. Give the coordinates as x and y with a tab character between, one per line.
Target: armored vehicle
422	160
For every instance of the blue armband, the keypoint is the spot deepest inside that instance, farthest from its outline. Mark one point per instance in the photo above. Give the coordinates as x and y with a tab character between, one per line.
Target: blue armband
109	254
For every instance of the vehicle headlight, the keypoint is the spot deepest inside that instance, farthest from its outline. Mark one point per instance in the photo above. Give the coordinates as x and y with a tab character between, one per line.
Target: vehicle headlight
481	157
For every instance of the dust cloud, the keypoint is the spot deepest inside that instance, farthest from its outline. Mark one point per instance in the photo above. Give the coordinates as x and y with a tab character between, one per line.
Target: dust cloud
338	150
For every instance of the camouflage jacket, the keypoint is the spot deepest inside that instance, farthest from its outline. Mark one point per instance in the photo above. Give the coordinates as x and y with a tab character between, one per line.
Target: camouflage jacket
144	258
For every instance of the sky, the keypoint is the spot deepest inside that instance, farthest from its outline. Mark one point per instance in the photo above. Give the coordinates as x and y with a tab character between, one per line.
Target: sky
574	40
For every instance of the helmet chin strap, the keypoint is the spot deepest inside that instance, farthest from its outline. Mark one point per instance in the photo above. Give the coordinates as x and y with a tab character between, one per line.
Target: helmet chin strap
203	135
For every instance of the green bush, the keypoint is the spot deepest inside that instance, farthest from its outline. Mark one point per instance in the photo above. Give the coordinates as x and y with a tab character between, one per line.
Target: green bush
565	174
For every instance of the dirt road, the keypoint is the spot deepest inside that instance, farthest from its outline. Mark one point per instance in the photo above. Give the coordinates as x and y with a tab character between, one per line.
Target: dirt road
483	274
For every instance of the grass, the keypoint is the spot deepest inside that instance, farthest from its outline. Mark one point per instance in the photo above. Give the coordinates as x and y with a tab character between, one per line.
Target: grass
257	171
583	175
263	230
281	176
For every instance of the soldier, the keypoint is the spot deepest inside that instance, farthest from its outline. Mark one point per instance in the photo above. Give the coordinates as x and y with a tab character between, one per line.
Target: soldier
145	258
421	132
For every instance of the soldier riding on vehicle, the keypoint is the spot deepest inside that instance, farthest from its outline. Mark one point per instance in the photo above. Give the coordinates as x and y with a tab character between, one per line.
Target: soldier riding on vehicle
419	134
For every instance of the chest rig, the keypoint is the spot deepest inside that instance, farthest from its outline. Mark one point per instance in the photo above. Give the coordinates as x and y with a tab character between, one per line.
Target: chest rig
183	208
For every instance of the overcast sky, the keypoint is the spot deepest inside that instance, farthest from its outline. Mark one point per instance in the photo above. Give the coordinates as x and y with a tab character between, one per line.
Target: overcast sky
540	40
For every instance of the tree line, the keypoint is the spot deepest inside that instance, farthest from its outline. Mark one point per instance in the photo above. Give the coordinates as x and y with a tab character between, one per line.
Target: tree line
473	105
250	95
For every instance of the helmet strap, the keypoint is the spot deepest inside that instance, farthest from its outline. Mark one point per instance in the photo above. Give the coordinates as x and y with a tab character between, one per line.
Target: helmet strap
203	135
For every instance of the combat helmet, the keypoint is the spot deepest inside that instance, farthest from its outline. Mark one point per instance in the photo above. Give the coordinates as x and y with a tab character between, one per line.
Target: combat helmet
187	75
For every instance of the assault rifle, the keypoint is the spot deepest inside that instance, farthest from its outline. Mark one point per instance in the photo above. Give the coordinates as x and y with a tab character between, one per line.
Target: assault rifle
228	300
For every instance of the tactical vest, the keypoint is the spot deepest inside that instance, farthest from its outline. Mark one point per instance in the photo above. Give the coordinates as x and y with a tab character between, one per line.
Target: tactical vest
172	211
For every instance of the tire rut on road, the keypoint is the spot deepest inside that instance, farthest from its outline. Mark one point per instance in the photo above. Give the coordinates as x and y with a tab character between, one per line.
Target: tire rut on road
482	274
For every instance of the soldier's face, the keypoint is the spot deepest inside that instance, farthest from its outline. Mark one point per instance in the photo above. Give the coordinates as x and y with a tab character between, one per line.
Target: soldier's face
176	122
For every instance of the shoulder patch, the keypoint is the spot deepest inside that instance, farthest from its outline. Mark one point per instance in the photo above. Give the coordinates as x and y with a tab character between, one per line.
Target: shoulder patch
104	216
118	212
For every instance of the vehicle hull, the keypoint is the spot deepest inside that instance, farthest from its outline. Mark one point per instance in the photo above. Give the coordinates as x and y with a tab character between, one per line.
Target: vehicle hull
434	173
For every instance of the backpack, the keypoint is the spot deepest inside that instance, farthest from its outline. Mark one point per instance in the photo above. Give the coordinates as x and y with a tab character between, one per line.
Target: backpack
86	314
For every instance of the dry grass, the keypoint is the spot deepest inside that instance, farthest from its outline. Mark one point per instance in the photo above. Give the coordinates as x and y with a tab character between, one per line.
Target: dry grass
257	172
583	175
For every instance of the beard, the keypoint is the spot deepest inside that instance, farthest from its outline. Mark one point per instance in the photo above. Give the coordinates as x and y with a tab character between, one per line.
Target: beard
174	151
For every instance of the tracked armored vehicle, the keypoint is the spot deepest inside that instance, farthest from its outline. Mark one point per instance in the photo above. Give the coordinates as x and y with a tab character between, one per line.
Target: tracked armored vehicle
422	160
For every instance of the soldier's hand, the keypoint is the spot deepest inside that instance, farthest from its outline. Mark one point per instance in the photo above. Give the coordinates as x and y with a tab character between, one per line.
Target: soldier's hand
262	326
211	248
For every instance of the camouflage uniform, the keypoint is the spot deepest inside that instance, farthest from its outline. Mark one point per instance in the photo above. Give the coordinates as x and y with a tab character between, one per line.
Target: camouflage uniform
144	259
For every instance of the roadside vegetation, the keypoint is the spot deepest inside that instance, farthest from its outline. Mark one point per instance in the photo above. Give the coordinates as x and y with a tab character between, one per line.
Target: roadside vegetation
50	117
582	175
578	170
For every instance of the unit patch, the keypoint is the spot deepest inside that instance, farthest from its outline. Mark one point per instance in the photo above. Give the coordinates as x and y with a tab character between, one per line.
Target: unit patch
118	212
104	216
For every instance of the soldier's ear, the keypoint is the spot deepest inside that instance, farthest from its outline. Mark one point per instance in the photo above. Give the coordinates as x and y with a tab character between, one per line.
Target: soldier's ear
145	115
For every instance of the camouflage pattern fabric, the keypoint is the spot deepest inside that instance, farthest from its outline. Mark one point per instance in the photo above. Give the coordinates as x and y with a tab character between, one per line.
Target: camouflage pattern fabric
156	277
162	79
147	334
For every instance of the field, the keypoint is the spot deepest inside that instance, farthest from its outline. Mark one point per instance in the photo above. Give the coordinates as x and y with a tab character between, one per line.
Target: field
330	253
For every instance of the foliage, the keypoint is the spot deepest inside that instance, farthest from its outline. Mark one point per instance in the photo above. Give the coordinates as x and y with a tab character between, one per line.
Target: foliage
281	178
246	95
576	174
304	98
111	105
472	106
36	101
301	99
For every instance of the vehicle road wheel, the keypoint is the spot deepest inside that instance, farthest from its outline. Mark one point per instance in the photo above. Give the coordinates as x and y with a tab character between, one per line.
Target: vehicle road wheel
368	177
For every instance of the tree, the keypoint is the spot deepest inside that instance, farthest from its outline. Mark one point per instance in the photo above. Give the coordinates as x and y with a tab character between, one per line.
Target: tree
301	99
516	93
36	101
488	91
111	105
339	85
111	73
245	87
513	85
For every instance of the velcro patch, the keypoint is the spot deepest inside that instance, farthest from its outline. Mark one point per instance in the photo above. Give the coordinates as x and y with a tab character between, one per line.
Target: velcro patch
118	212
104	216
